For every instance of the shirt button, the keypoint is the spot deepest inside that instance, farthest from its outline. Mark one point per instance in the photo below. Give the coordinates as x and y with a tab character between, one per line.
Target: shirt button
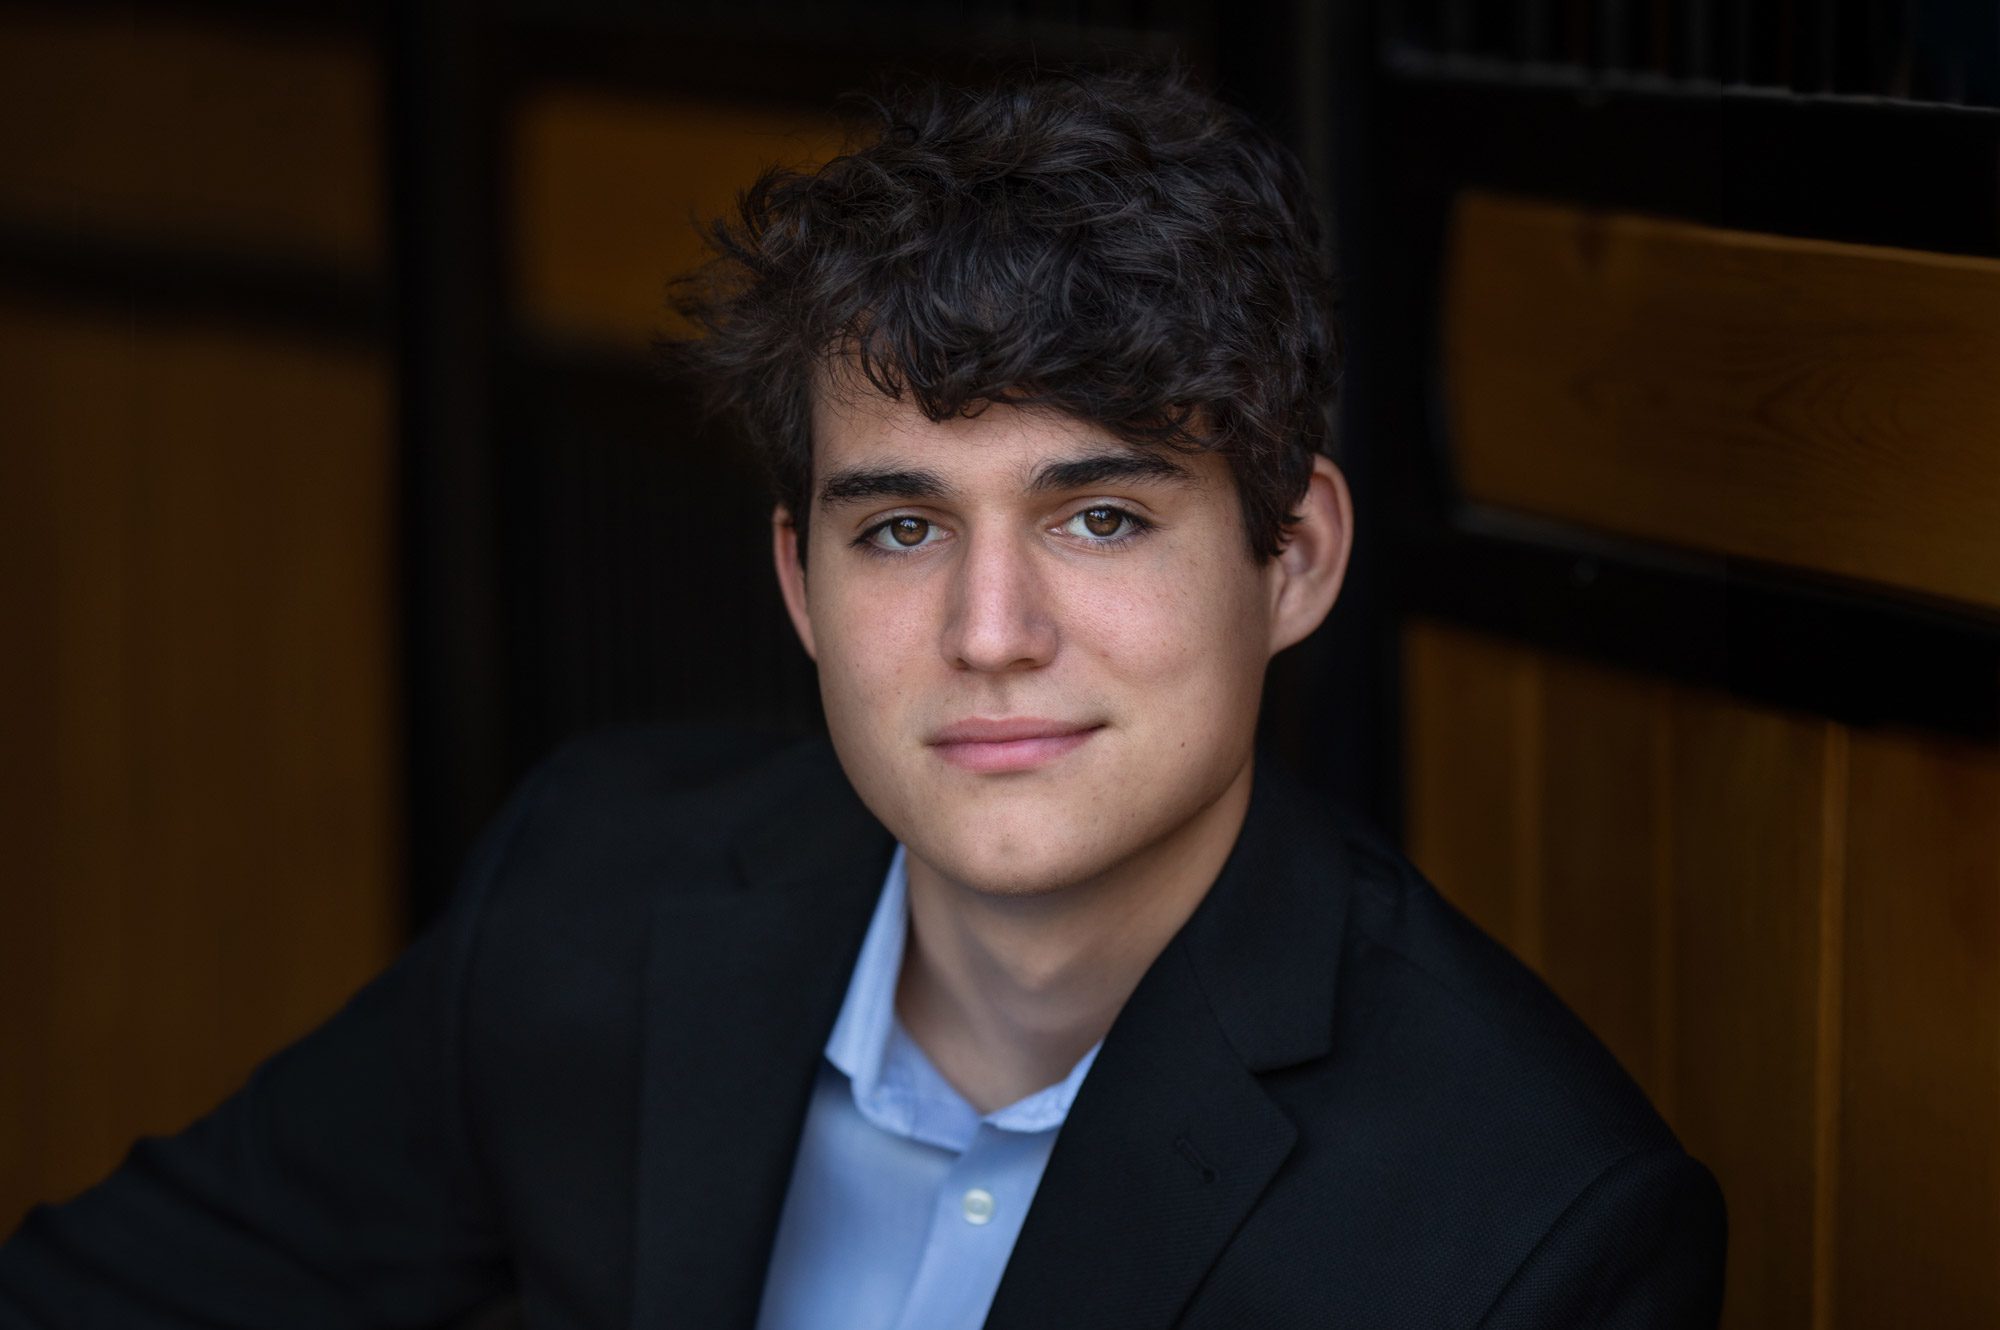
978	1205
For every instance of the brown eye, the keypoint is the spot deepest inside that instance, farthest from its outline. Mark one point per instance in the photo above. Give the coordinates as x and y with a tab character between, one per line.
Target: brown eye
899	533
903	533
1105	526
1102	521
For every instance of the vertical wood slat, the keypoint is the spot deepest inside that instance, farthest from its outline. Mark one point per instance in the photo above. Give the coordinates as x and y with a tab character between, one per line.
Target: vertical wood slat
205	867
1829	1036
1666	952
1538	803
1745	867
1603	833
1474	798
1918	1241
1717	881
28	800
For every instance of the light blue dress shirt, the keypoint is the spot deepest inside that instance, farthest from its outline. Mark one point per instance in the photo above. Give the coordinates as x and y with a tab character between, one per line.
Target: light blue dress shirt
904	1201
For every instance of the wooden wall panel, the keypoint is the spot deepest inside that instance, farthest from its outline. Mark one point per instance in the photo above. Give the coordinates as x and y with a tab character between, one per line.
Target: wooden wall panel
1788	931
163	130
200	676
1472	732
1745	844
1606	885
1821	405
1919	1156
1510	810
29	737
606	196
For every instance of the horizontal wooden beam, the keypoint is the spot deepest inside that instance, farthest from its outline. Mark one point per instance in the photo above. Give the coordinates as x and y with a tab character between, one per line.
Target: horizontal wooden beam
1818	405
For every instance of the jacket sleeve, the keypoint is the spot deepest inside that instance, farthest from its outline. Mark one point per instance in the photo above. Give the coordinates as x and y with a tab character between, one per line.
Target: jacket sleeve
1642	1246
337	1188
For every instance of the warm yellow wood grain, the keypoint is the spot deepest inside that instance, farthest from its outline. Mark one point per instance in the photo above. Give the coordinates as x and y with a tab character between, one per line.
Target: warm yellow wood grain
1828	406
200	677
28	804
606	196
1789	931
1919	1151
1602	854
1472	725
1830	1034
1746	861
140	126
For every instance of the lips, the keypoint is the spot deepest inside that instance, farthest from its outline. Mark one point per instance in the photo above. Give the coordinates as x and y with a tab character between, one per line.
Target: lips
1019	743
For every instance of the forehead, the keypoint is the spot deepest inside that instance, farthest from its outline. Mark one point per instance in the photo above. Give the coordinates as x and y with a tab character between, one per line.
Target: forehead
1002	446
854	422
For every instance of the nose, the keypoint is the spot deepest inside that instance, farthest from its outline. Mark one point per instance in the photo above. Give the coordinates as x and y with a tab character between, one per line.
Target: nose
999	618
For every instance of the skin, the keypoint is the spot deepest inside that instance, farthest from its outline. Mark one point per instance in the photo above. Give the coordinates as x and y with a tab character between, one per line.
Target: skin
1109	596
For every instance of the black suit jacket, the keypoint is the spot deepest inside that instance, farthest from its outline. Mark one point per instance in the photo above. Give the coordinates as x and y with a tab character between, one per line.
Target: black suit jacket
1330	1101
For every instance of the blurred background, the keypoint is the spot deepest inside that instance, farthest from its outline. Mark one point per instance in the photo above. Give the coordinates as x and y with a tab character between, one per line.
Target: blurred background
336	486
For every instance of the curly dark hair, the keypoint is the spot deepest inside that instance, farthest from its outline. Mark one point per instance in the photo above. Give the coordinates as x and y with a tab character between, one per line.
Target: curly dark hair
1117	246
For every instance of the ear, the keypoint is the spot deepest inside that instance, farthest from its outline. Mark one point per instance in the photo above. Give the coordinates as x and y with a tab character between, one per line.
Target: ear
1305	576
790	562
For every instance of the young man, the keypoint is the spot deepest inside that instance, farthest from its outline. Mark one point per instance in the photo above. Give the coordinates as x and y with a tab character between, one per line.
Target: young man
1031	1001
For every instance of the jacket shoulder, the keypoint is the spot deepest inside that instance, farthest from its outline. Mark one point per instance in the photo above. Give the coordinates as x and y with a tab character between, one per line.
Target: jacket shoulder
663	807
614	822
1454	988
719	767
1464	1101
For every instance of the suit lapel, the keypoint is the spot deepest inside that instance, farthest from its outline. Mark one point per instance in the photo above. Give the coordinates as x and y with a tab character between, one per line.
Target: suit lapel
1166	1149
1172	1141
741	990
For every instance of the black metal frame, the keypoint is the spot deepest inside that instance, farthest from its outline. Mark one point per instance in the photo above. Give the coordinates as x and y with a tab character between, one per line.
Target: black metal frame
443	154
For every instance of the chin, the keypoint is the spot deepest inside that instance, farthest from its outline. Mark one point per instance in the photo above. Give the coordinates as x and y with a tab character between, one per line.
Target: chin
1032	848
1013	876
1035	835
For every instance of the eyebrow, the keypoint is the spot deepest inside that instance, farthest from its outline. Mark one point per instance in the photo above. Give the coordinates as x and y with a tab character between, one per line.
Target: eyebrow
1082	472
855	484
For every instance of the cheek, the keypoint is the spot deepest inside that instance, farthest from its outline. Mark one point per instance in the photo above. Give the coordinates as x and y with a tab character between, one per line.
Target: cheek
1186	629
870	646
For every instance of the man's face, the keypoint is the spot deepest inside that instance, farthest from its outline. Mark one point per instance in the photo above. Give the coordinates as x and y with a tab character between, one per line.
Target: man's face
1040	649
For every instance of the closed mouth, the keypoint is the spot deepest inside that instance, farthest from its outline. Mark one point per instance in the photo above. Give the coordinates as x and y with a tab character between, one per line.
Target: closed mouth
994	747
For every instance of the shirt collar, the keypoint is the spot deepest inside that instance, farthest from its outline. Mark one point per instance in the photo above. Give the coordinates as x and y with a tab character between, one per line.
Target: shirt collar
894	1085
860	1038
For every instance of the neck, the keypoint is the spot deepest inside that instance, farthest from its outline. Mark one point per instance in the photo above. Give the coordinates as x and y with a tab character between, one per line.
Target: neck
1005	993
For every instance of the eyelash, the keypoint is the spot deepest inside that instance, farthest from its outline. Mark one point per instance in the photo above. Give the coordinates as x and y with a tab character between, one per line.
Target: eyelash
1135	527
